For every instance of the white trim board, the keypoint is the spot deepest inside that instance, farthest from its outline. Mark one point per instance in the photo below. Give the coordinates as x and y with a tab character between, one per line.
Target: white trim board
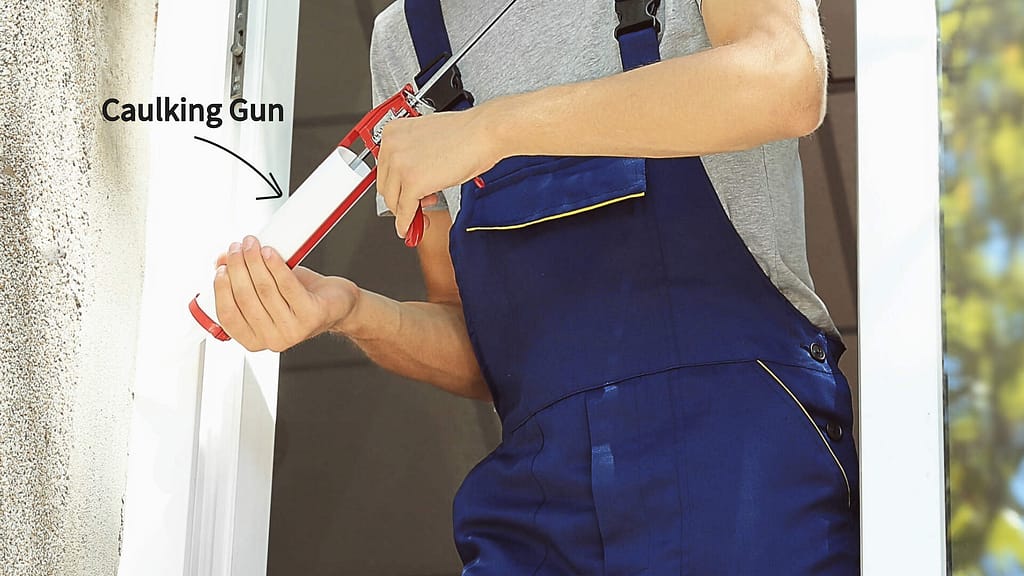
900	328
200	459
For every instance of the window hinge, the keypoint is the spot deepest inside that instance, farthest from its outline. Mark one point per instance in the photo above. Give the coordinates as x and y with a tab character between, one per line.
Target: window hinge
241	13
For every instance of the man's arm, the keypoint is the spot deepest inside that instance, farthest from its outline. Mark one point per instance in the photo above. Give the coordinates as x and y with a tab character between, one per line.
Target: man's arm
763	80
425	341
264	305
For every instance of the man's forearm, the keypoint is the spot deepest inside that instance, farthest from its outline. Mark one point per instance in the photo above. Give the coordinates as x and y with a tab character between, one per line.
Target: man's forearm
419	340
770	86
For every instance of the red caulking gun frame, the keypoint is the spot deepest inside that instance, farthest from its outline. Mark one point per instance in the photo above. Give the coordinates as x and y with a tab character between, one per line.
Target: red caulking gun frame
344	177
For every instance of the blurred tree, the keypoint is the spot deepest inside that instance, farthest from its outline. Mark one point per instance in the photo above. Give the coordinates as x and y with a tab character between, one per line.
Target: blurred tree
983	301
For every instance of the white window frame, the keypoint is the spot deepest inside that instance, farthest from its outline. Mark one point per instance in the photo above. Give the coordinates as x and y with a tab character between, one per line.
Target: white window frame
200	459
902	445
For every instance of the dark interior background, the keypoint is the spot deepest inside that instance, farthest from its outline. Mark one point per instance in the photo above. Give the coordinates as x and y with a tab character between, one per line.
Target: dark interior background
366	463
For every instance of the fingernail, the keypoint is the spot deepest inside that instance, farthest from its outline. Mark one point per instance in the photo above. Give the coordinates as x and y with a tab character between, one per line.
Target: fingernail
267	252
234	248
222	270
248	242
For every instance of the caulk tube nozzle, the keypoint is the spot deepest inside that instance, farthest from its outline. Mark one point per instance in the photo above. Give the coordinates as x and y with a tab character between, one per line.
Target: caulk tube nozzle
299	225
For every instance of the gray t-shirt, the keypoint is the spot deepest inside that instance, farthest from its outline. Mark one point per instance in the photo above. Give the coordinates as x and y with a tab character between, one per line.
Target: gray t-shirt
541	43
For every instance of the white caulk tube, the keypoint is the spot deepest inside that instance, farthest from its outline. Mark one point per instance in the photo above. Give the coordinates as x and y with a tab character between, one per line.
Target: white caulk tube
304	219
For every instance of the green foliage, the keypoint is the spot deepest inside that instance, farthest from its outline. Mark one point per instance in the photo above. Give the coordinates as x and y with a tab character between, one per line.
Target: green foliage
983	302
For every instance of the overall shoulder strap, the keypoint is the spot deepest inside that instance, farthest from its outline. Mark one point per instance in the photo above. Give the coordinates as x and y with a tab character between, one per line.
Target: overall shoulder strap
430	40
637	32
429	34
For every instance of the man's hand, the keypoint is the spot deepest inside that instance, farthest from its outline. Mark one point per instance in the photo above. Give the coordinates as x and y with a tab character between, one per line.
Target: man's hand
263	304
419	156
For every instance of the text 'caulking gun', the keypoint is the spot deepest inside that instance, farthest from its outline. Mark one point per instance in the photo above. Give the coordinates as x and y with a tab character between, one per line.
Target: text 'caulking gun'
344	177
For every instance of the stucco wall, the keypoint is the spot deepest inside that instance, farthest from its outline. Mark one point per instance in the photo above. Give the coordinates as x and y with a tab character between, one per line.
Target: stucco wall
72	192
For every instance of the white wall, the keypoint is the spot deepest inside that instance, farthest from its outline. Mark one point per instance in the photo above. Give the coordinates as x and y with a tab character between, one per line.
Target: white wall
72	193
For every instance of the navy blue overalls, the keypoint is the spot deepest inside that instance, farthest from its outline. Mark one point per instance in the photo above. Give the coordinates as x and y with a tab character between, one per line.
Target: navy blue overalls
664	408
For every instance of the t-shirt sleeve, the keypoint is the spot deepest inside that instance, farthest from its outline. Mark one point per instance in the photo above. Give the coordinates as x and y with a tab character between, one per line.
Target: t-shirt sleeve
384	82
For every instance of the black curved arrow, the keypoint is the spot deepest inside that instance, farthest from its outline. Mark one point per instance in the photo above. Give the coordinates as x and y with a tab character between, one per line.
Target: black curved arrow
272	182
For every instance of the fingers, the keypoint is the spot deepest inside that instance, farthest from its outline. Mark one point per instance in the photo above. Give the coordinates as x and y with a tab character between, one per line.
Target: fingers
265	284
386	185
384	179
291	289
429	201
405	211
228	314
397	191
426	221
403	217
389	186
244	292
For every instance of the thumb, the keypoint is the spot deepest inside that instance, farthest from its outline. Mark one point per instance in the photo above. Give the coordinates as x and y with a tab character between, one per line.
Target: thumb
306	276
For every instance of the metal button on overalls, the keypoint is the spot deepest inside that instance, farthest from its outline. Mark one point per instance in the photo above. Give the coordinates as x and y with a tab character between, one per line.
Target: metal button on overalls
659	406
817	352
835	431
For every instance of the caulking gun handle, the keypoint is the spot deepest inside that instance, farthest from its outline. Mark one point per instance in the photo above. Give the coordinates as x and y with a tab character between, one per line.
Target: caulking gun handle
415	233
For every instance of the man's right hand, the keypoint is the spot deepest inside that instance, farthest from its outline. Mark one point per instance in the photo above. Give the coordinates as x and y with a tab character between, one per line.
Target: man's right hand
265	305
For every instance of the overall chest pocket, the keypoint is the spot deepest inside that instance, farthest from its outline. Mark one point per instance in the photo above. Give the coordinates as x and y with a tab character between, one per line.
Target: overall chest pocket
526	190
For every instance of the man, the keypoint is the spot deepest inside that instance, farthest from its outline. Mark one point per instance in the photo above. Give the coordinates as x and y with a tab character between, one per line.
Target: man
629	285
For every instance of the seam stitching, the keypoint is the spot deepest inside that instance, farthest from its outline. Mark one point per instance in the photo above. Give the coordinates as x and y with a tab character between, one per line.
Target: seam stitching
543	495
560	215
516	424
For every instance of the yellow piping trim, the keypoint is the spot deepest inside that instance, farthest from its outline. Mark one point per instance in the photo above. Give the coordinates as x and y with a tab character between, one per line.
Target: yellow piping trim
556	216
849	492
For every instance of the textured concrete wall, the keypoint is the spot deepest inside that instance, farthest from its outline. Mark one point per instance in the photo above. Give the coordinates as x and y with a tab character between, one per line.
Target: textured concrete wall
72	192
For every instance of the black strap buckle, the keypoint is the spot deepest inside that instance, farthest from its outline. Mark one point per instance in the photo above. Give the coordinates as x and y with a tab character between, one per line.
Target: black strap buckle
448	90
635	15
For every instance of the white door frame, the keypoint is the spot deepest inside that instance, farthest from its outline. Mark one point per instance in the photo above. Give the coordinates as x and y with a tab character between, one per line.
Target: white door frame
903	491
201	443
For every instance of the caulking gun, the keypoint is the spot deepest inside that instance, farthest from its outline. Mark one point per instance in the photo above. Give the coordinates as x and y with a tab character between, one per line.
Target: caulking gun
344	177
